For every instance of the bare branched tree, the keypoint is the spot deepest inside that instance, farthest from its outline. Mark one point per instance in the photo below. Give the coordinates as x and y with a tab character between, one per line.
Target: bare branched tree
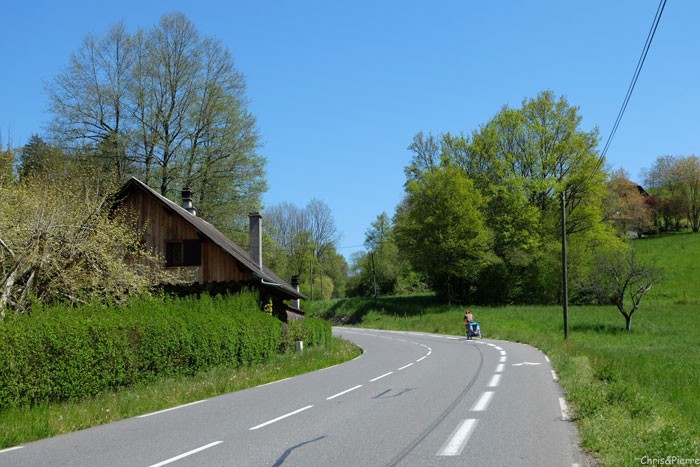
622	280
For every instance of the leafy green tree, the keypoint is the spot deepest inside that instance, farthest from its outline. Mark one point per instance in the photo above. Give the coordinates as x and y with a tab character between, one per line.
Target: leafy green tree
382	265
440	227
167	105
7	161
688	170
540	150
336	268
663	181
521	161
40	159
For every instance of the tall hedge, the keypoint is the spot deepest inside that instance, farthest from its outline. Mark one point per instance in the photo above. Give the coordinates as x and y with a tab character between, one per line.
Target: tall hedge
312	331
59	354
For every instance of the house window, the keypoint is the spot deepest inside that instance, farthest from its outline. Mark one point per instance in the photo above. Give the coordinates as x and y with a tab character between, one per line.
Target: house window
183	253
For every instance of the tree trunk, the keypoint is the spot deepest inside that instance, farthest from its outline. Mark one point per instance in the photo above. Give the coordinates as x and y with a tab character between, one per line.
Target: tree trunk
628	322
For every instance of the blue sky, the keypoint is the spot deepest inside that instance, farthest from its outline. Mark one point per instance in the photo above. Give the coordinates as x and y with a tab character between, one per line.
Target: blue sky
340	88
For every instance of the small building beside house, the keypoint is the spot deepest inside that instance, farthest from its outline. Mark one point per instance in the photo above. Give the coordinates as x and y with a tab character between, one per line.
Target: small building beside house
214	261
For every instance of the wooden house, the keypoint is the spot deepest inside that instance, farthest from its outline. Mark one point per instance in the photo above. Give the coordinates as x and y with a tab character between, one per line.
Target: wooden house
212	260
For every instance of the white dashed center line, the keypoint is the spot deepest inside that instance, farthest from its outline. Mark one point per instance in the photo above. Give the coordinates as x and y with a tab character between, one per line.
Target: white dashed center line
483	402
270	422
455	444
344	392
380	377
188	453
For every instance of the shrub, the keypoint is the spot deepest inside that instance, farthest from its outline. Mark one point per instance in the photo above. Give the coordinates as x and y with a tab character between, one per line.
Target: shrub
312	331
59	354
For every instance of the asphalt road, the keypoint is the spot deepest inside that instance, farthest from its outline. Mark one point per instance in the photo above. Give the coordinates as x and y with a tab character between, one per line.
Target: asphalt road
411	399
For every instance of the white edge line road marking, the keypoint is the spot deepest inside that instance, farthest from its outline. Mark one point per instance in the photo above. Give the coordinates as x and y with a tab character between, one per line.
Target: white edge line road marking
497	347
483	402
270	422
380	377
455	445
546	358
171	408
429	352
188	453
404	367
344	392
11	449
503	359
554	376
499	368
503	352
422	358
495	379
564	409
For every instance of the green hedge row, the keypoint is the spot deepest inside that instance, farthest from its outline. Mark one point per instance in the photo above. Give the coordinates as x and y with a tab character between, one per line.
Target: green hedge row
312	331
67	354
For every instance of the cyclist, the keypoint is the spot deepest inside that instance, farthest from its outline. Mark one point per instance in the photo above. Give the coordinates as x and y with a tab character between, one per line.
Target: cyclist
468	319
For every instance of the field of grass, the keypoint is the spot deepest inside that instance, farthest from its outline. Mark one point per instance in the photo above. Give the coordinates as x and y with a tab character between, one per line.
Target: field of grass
679	256
634	394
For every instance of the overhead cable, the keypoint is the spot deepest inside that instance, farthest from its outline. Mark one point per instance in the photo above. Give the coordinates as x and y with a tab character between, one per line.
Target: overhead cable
640	64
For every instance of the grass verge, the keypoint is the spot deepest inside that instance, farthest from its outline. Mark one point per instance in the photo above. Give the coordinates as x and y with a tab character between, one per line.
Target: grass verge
22	425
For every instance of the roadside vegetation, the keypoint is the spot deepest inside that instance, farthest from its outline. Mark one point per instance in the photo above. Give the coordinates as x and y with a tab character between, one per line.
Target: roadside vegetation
70	368
633	393
24	424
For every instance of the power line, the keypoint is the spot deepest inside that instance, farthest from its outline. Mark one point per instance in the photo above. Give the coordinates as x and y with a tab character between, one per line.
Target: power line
349	246
640	64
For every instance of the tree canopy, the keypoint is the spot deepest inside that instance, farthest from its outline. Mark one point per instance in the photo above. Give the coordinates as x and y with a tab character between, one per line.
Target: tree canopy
489	204
167	105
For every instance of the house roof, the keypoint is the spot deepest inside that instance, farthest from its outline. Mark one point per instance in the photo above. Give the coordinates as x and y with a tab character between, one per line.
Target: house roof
267	277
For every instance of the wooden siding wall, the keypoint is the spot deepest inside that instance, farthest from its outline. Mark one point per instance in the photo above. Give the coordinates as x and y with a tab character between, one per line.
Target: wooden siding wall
163	225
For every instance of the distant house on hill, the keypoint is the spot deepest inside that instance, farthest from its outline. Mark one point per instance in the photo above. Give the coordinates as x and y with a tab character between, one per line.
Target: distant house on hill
192	244
632	214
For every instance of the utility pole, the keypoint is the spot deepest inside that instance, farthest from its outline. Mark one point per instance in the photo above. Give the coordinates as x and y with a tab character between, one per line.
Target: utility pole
565	284
374	277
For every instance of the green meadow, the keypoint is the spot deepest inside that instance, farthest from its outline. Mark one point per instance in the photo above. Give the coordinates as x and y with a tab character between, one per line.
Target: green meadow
635	395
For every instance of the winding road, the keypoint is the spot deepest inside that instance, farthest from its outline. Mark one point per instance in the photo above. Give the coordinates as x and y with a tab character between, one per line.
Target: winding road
411	399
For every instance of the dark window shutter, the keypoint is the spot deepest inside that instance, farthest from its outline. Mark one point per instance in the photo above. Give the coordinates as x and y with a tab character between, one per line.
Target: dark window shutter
192	252
173	254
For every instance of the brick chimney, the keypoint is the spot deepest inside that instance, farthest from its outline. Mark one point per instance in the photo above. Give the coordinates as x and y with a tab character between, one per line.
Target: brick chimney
256	238
187	201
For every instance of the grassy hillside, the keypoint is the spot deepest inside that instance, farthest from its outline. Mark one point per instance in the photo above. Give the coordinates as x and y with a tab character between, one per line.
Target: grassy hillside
679	256
635	393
